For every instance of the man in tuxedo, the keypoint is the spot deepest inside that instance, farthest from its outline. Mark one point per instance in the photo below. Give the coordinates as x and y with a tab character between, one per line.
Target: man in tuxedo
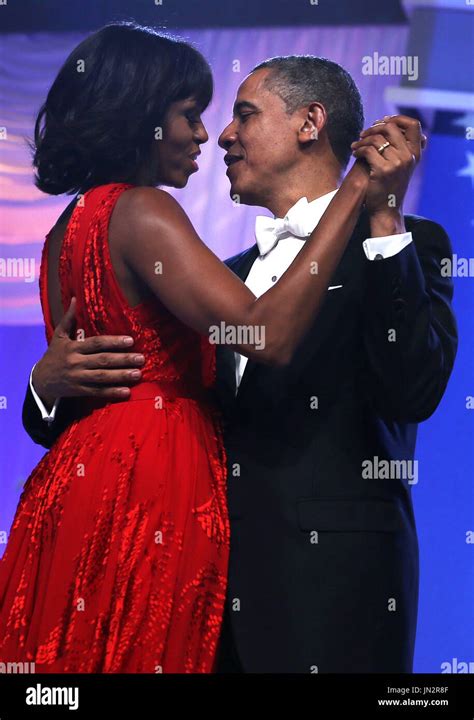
323	573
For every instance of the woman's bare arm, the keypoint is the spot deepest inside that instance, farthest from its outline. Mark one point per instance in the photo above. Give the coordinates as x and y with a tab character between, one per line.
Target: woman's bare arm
202	292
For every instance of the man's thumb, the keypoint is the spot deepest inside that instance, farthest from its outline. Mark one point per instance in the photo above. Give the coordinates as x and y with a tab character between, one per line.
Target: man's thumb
66	324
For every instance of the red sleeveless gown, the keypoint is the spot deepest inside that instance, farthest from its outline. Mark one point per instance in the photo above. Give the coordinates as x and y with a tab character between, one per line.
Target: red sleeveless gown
117	556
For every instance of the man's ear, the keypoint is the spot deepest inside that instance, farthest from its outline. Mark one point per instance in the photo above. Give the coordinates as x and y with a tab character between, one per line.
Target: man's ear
314	120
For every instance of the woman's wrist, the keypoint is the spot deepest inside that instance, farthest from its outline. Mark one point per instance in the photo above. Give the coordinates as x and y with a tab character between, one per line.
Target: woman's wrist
358	176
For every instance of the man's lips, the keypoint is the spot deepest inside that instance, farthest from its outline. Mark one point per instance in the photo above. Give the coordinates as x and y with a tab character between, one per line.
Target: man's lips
230	159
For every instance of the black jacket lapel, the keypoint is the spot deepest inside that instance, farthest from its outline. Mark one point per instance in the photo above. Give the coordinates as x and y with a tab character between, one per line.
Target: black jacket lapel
225	361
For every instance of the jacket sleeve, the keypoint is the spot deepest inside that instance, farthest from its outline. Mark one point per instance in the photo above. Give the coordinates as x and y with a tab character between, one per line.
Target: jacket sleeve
39	430
410	331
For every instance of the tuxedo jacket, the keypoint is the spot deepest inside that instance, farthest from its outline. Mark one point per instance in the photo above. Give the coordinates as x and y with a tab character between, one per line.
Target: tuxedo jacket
323	573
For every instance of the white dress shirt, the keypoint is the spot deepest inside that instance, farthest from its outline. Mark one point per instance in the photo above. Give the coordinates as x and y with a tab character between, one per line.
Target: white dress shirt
47	416
267	269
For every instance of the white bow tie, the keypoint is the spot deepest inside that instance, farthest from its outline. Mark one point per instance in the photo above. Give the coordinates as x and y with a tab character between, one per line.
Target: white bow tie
299	221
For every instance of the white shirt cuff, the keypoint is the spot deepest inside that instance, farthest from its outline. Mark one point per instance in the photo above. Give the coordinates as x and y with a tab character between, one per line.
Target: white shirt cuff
47	416
384	247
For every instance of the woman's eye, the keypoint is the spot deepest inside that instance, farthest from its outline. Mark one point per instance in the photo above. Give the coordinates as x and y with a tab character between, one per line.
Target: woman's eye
193	119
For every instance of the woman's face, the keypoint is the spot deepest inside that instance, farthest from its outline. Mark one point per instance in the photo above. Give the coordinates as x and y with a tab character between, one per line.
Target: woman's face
176	144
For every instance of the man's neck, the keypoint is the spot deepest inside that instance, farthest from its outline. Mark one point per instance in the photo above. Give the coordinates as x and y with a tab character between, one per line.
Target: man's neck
283	201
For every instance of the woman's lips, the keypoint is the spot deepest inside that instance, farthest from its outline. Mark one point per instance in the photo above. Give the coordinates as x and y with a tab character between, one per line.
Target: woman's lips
192	158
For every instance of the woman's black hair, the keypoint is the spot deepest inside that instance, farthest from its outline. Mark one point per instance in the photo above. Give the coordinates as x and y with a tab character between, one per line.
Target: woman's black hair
103	108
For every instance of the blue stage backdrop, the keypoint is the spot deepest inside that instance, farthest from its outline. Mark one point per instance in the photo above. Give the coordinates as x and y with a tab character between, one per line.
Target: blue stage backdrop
442	190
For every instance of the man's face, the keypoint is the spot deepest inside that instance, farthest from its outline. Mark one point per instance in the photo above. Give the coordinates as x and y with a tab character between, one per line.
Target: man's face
261	141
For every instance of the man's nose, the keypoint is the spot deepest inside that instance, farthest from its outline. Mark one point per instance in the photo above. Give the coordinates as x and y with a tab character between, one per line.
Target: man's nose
227	137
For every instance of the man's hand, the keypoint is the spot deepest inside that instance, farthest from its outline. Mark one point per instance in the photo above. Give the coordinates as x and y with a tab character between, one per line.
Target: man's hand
391	148
98	366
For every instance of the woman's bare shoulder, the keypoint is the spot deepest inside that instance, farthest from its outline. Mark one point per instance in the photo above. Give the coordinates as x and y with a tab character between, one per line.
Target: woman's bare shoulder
146	218
141	205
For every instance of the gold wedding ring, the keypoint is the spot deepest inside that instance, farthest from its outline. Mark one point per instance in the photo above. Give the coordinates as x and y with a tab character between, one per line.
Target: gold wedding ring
383	147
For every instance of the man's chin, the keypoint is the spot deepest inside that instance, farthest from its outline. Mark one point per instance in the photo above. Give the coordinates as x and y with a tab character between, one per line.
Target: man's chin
235	191
242	196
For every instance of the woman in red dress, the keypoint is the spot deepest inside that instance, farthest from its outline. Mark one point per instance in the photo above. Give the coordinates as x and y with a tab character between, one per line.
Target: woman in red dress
117	557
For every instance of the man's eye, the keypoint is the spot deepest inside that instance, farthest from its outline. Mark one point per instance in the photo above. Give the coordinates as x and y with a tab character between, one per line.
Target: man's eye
244	117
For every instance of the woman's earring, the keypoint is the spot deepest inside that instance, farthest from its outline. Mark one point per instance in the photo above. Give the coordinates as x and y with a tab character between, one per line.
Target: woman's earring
314	134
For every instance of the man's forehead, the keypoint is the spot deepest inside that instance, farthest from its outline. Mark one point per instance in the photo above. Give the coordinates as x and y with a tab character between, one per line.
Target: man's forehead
252	86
